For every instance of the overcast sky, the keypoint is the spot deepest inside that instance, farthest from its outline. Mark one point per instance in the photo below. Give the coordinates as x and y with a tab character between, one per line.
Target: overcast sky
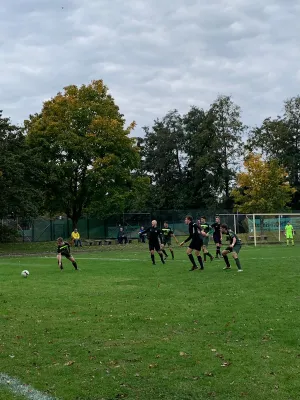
154	55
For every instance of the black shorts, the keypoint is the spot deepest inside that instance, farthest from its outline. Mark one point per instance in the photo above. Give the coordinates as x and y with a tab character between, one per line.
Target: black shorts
65	254
217	239
154	246
196	244
167	241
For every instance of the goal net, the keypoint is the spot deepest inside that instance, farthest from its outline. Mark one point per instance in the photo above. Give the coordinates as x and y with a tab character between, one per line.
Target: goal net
262	228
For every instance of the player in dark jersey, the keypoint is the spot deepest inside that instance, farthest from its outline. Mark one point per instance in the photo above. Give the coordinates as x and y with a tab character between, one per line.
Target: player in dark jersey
234	247
63	249
196	242
167	235
217	236
205	229
155	239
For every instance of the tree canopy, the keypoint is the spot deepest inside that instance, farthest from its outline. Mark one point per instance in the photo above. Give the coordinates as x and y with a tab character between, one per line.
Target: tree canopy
262	187
86	154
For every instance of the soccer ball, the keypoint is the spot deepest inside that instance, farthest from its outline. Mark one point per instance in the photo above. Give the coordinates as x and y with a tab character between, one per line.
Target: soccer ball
25	273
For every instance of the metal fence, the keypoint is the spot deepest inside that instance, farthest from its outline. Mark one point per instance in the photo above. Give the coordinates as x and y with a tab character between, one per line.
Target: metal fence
251	228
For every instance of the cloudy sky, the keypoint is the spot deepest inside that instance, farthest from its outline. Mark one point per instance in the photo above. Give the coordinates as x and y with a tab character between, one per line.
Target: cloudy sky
154	55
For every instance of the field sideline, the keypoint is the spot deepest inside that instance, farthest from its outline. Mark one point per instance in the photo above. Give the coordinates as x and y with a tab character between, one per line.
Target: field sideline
122	328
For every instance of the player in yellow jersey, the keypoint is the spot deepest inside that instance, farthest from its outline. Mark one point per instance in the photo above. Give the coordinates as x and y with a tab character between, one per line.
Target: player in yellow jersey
289	233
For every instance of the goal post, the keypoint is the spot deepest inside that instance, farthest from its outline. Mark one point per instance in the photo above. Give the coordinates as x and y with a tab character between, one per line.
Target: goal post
264	228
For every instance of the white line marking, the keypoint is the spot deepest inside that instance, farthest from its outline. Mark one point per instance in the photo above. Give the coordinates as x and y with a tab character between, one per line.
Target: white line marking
180	260
17	387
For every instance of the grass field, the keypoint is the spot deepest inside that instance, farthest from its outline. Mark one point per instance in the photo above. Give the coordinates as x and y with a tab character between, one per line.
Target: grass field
122	328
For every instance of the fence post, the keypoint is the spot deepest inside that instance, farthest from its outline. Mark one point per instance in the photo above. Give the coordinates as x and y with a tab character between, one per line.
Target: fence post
279	222
33	230
254	230
88	227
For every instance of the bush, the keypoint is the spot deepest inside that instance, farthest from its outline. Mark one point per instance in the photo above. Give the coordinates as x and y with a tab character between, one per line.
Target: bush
8	234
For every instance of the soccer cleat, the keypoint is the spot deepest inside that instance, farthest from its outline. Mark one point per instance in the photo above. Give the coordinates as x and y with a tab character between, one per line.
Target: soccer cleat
211	258
240	270
227	267
193	268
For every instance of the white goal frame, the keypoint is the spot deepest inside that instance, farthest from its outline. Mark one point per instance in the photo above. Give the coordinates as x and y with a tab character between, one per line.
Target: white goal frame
253	217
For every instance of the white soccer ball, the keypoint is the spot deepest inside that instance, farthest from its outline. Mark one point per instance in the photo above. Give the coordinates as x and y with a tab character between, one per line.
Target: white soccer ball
25	273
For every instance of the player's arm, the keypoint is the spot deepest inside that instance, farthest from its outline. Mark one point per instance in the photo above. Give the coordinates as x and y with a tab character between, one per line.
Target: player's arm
172	235
233	242
190	236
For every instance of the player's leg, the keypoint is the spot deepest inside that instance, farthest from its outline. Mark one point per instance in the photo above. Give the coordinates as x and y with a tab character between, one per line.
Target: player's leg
171	251
158	249
151	249
225	257
293	243
235	255
198	255
163	249
205	249
73	261
189	252
218	246
59	261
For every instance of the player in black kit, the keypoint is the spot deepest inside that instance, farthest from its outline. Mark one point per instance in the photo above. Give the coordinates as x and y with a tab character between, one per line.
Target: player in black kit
155	240
217	236
63	249
196	242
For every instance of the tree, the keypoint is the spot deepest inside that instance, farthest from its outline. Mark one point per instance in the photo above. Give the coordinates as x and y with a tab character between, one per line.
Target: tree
280	138
86	153
18	198
203	168
262	188
229	130
162	160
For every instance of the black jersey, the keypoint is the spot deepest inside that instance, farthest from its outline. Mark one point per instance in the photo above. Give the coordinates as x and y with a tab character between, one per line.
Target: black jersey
193	231
153	234
217	229
63	248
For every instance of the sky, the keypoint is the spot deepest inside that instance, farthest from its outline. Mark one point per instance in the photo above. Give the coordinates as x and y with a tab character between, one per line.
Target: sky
154	55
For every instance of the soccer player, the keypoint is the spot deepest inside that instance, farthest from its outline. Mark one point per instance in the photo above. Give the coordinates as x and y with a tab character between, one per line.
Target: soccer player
289	233
196	242
217	236
167	234
154	239
205	228
63	249
234	247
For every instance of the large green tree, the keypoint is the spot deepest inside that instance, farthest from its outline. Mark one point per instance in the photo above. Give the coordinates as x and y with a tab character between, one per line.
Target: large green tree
18	198
85	150
229	130
162	160
203	166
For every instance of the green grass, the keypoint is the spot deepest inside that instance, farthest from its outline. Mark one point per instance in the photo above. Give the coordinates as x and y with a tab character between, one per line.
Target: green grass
121	328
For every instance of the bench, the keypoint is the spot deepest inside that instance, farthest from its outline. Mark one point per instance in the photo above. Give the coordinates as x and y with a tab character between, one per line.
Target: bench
260	237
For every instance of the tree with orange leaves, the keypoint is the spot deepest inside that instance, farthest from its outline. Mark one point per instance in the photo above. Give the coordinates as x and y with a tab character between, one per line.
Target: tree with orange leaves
85	153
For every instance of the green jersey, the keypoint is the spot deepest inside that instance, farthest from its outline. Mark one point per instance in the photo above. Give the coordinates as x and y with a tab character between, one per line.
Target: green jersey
205	227
167	232
289	230
231	235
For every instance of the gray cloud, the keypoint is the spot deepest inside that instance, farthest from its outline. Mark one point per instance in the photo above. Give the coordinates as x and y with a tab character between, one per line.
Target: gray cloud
154	56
